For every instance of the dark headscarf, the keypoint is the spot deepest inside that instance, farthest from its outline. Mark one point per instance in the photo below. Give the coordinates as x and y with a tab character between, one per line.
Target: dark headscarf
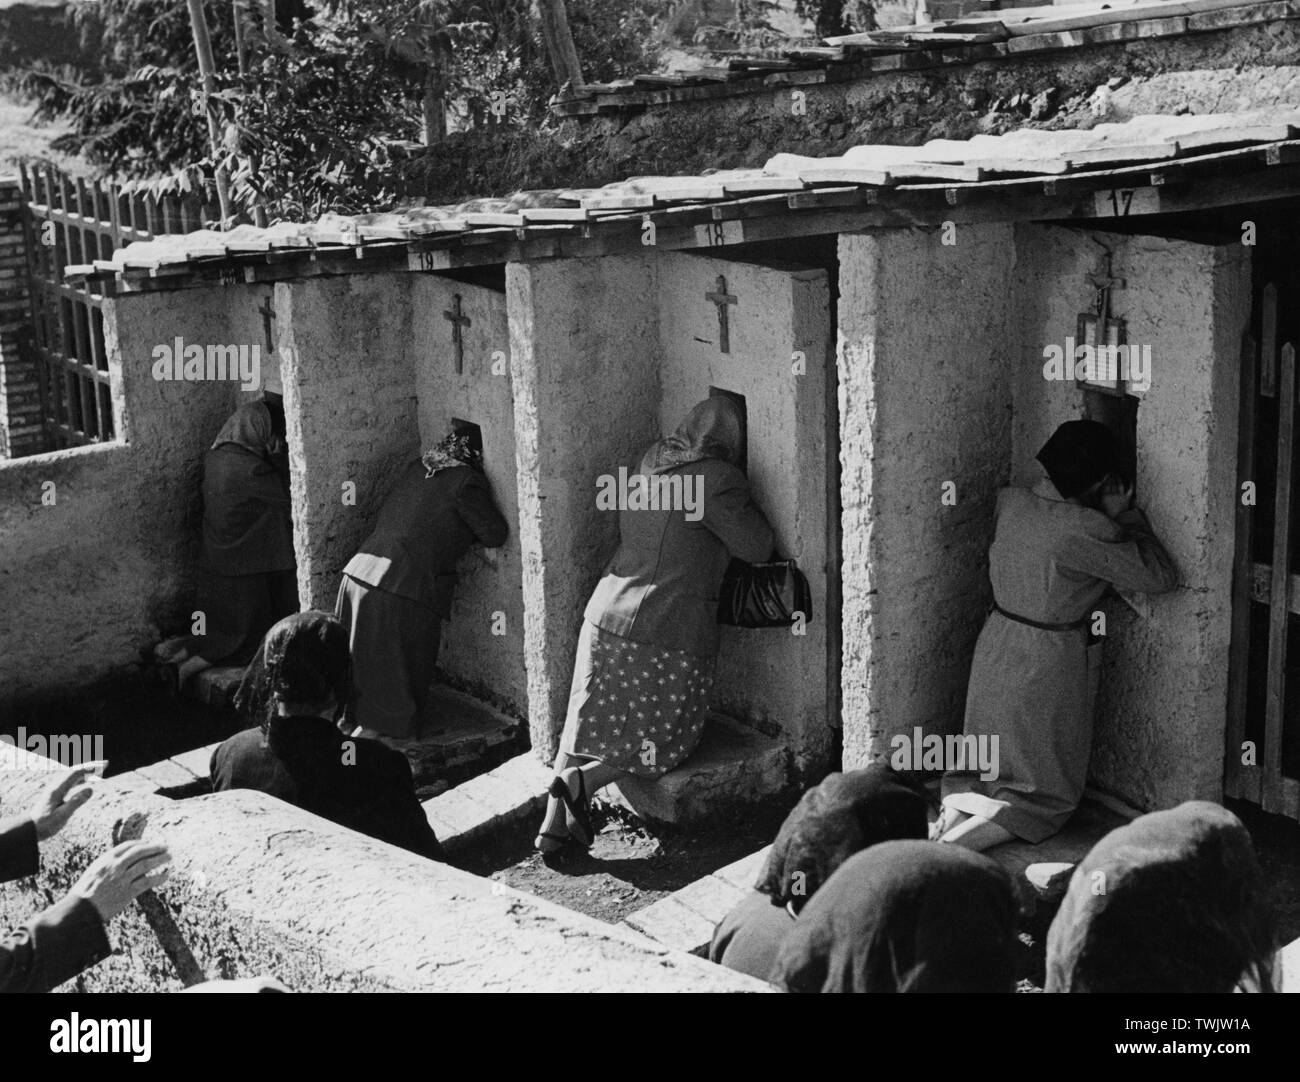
303	659
454	450
251	427
1172	902
834	820
1079	455
711	430
906	916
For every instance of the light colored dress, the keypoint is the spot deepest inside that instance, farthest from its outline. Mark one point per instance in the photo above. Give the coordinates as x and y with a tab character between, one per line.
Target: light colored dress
1035	688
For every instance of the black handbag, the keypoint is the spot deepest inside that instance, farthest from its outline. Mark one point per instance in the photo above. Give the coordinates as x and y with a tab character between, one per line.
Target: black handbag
764	595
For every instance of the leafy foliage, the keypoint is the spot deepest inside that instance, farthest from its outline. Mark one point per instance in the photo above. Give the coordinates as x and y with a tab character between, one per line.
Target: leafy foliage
310	127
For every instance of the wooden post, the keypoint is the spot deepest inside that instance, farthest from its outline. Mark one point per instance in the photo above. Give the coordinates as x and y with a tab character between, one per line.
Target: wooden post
559	44
208	71
435	104
241	47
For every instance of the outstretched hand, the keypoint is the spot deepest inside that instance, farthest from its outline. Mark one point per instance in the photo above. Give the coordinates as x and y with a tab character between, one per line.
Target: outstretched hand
121	875
57	803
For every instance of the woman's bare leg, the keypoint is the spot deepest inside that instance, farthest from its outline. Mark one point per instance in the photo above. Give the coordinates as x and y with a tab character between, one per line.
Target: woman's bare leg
595	775
977	833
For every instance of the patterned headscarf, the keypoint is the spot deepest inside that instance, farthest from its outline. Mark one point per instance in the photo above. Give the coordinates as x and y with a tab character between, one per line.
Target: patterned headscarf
454	450
303	659
711	430
1172	902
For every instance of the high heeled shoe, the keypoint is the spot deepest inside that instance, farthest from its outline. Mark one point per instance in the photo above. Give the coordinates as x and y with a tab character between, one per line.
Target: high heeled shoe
577	810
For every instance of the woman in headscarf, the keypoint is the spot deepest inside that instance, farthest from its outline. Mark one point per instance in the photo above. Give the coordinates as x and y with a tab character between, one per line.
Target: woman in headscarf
906	916
248	573
1172	902
649	641
843	815
397	590
297	686
1056	550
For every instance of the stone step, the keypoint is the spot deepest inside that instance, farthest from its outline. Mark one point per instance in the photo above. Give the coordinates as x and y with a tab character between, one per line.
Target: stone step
461	736
686	918
733	766
504	795
1288	964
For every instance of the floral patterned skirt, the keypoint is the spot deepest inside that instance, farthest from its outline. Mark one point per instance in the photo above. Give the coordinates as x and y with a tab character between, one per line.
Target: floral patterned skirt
635	707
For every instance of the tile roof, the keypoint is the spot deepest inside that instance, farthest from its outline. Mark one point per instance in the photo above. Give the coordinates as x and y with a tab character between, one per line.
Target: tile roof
1024	164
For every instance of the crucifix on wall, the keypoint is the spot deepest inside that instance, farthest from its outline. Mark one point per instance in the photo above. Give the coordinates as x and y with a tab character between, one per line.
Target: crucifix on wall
723	300
268	317
458	320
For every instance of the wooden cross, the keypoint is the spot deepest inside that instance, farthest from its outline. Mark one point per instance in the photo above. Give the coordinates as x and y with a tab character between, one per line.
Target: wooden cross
722	299
268	317
1104	283
458	320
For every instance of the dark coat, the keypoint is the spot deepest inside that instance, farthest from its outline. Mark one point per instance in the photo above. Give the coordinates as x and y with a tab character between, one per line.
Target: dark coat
247	528
749	938
54	947
425	526
361	784
661	587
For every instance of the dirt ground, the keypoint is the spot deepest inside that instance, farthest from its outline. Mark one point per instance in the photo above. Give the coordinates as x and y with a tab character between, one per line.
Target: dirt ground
629	867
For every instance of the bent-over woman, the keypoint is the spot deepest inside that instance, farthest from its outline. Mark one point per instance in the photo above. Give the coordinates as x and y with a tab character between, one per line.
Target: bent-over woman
248	573
1056	549
649	642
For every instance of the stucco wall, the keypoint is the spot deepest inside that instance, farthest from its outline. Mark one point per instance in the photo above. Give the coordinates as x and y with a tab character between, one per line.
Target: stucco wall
778	311
350	402
1160	718
261	887
584	360
480	651
90	582
925	398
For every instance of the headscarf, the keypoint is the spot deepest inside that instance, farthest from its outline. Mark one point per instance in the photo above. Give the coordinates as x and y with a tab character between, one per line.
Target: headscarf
711	430
303	659
1079	455
832	821
906	916
251	427
454	450
1171	902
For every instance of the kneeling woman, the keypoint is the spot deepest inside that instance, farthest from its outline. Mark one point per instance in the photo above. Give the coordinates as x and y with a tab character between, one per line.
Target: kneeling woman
1033	681
649	641
298	685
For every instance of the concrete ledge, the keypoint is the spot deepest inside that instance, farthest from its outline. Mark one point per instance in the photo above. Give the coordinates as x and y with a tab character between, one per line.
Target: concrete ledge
685	919
1289	964
504	795
261	887
733	765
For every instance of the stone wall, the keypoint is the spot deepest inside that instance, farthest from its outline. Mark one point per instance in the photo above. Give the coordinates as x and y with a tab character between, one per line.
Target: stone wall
1225	70
925	400
260	887
1160	717
780	310
350	401
584	360
483	645
95	578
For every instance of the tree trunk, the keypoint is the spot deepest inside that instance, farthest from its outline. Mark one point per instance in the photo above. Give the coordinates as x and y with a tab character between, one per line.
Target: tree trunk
208	71
559	44
434	106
